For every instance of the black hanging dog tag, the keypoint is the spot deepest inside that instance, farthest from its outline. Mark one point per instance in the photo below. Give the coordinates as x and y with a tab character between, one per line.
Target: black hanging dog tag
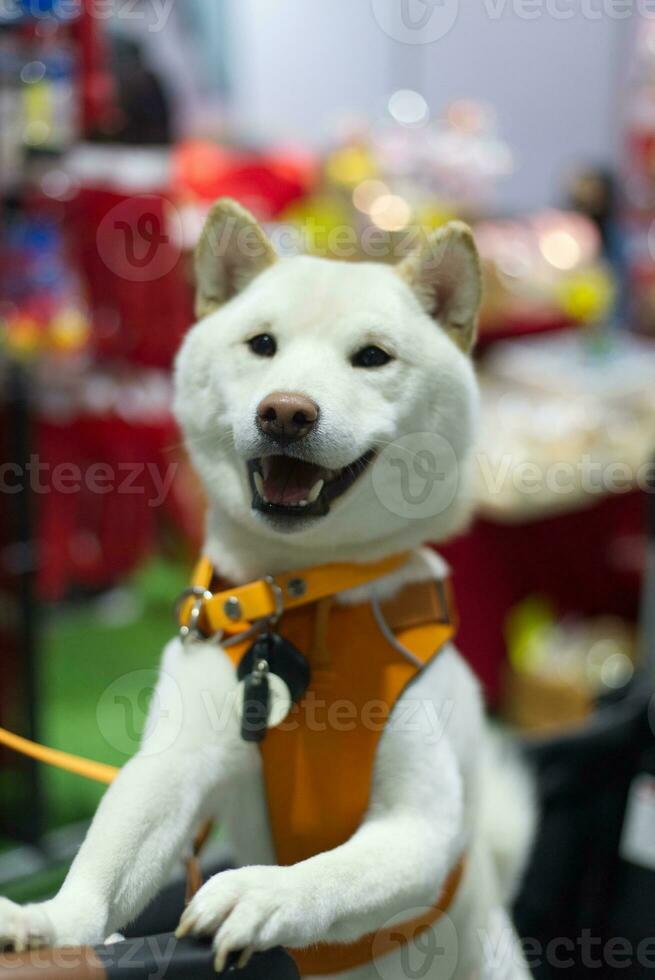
256	703
271	658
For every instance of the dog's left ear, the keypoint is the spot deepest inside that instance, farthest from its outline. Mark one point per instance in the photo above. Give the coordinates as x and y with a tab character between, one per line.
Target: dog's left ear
444	272
232	251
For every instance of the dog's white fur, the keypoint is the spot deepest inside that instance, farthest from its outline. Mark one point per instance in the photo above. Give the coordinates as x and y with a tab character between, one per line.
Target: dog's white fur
432	796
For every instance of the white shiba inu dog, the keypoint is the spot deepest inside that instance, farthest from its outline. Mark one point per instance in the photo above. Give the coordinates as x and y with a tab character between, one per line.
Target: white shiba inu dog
298	383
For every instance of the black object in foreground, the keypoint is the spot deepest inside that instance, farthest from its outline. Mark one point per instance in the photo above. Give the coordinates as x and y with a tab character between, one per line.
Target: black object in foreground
585	907
162	956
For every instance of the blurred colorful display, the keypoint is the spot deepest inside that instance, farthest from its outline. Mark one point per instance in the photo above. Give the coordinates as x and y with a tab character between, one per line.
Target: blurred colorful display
43	309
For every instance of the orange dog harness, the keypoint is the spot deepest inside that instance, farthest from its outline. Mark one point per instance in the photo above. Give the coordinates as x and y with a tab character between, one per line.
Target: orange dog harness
318	763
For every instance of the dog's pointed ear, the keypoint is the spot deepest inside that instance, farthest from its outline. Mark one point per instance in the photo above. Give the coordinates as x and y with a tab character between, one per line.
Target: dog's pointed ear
444	272
232	251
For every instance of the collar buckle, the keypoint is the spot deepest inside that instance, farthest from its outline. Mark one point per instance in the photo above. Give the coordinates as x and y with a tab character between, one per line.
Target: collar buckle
191	629
278	599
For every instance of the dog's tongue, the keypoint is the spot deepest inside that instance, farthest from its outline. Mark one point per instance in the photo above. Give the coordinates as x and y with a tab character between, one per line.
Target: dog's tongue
287	481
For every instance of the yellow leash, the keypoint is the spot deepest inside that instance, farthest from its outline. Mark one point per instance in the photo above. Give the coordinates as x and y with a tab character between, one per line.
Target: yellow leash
98	771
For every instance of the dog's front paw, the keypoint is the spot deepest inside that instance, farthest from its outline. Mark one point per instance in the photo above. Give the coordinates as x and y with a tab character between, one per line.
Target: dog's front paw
248	911
24	927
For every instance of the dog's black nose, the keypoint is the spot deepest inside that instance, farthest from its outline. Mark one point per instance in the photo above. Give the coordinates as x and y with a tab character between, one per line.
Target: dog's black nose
287	416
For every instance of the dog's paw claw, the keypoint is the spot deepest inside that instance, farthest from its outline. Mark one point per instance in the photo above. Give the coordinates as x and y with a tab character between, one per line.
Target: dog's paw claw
246	911
24	927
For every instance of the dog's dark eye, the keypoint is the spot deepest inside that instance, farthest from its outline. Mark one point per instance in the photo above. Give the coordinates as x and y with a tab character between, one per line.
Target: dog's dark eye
263	345
370	357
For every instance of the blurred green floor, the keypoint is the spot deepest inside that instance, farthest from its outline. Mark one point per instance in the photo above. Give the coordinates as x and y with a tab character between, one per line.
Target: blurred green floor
99	663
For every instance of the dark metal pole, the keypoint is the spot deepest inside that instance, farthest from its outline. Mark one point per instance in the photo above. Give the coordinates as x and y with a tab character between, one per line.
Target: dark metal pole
20	560
647	618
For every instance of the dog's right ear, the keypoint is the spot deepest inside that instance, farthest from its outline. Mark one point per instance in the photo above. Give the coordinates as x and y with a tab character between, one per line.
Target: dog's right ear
444	272
232	250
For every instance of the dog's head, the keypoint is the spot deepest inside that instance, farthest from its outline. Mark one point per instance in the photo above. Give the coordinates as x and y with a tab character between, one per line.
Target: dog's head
321	398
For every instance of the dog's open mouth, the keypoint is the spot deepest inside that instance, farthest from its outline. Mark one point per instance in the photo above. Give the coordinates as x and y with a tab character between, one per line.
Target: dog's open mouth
286	486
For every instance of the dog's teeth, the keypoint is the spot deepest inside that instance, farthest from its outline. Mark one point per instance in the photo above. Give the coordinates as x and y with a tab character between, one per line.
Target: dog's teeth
303	503
314	493
259	483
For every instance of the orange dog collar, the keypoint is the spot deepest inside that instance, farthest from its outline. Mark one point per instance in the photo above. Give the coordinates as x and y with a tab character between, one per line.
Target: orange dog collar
236	609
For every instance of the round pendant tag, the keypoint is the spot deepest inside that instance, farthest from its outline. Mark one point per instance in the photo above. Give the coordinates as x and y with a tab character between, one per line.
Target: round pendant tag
280	700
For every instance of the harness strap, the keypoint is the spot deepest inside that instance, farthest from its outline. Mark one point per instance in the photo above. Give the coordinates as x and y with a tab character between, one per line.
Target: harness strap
326	959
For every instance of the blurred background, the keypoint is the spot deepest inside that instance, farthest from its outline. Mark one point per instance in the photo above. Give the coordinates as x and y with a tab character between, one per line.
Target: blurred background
344	127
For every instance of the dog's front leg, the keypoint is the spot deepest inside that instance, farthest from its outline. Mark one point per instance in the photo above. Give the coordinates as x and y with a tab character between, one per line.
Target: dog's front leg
149	813
397	861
